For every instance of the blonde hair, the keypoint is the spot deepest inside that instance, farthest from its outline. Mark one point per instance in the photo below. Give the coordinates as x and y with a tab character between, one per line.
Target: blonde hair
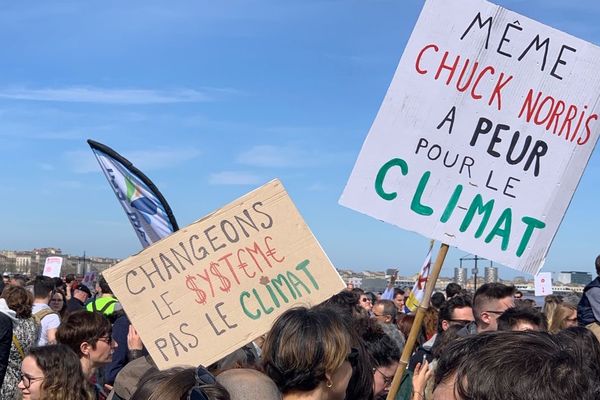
550	304
559	317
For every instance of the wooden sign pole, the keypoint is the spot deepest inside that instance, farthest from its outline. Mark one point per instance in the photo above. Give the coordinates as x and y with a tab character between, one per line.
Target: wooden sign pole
416	327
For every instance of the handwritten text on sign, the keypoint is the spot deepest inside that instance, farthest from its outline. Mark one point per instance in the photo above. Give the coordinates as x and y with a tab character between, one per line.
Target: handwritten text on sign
484	133
217	284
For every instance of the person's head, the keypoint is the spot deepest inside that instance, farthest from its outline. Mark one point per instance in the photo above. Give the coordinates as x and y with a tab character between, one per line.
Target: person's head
59	283
179	383
452	289
19	300
583	343
518	295
6	278
347	301
385	355
456	311
52	373
349	286
437	299
489	302
18	280
399	299
102	286
248	384
483	367
309	350
58	302
385	311
522	319
444	339
89	335
365	301
82	293
598	265
70	279
550	303
564	316
430	322
43	287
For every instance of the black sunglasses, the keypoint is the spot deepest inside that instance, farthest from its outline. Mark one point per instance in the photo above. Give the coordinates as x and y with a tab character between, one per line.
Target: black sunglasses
203	377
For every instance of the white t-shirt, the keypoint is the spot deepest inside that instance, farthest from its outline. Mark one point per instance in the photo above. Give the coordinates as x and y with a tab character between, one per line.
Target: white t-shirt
50	321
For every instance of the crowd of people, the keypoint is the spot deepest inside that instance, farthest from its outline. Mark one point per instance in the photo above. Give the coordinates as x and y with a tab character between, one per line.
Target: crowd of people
58	341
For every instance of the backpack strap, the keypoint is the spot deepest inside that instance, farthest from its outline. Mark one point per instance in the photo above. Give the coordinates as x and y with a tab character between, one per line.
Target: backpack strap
18	346
40	315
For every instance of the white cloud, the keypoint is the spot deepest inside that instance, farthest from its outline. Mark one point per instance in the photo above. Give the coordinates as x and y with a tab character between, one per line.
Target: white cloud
146	160
88	94
234	178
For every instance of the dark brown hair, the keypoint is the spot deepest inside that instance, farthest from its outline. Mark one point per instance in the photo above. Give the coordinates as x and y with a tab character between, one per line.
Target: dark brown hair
303	345
19	300
175	384
63	376
82	326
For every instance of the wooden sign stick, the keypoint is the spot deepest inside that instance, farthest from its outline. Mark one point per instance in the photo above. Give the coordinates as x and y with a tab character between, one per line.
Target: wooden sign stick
416	327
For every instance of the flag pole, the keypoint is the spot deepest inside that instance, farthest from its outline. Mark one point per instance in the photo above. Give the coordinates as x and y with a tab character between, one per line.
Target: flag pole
416	327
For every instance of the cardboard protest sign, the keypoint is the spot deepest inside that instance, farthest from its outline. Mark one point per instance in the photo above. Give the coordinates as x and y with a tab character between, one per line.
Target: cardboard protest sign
484	132
219	283
52	266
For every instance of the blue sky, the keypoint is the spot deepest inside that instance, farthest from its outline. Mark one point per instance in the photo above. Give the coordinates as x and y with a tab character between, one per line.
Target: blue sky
212	99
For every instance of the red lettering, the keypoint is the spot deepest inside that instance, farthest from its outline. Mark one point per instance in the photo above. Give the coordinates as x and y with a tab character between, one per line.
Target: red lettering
418	61
497	89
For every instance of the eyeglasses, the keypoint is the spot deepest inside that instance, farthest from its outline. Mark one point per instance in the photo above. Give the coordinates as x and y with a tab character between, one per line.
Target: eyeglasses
461	322
106	339
203	377
352	357
26	379
365	299
387	380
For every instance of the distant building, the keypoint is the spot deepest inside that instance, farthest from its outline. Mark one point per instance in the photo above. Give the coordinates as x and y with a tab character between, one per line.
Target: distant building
373	284
490	275
460	276
572	277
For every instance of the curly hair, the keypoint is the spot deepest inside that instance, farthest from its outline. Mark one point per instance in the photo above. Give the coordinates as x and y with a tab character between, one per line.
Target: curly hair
19	300
63	376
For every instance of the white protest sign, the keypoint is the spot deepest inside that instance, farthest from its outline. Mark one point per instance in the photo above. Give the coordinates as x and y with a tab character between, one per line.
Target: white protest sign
52	266
543	284
484	132
219	283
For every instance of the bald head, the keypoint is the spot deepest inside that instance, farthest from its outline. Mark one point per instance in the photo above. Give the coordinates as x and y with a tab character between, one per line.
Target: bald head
248	384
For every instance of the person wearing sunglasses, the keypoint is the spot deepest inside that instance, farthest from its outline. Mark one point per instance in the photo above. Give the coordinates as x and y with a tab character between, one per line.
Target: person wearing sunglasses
308	354
51	373
180	383
455	312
